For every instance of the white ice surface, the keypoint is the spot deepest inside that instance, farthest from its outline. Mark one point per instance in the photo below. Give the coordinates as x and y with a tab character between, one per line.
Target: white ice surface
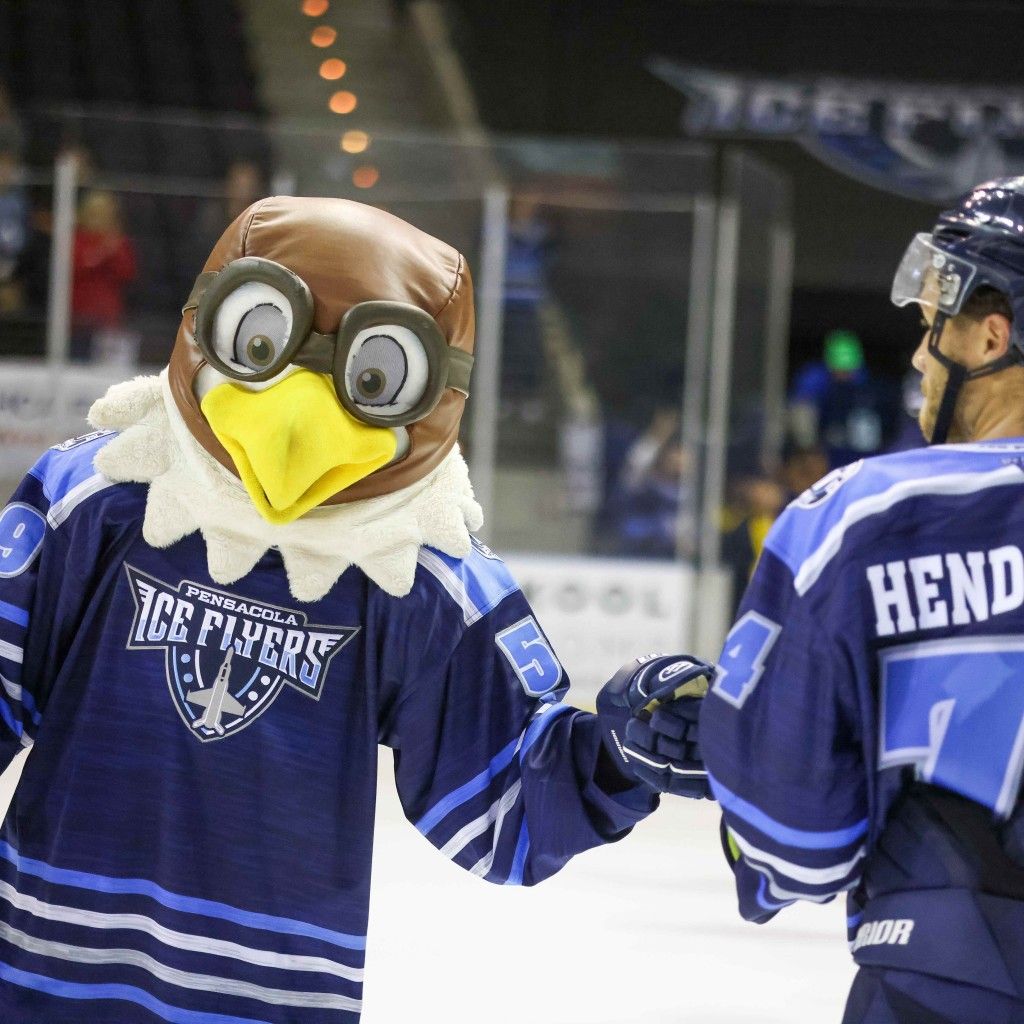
642	931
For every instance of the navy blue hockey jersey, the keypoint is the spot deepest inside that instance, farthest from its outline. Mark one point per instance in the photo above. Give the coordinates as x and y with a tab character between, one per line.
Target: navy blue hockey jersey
879	646
191	837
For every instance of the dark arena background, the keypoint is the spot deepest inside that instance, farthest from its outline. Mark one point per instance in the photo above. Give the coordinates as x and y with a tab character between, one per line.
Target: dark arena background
682	219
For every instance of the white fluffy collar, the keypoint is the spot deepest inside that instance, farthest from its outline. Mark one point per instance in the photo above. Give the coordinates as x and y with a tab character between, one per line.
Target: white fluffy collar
189	490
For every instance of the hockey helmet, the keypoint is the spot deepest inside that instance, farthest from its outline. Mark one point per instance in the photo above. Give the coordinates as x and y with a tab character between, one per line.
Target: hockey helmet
977	243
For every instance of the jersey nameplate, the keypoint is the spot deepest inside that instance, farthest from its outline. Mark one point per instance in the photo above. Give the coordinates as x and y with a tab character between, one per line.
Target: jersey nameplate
228	657
940	590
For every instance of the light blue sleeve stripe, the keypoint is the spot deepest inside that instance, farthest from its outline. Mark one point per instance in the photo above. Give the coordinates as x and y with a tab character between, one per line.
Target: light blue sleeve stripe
486	581
60	472
127	993
13	614
852	922
467	790
21	695
174	901
541	724
498	764
9	720
29	704
515	875
805	840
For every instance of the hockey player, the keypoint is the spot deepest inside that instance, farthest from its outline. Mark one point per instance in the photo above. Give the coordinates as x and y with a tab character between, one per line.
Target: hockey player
214	608
866	729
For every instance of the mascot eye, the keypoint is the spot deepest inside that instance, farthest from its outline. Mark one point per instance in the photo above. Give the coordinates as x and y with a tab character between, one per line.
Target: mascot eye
387	370
251	328
260	337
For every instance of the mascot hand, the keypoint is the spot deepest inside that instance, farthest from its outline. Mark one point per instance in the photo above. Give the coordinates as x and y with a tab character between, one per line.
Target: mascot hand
648	712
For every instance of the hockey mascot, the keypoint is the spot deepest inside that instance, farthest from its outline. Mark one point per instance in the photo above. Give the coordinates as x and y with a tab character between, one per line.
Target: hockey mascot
215	607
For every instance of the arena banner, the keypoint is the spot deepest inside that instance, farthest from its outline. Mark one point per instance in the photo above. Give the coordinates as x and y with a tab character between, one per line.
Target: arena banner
924	141
600	612
40	406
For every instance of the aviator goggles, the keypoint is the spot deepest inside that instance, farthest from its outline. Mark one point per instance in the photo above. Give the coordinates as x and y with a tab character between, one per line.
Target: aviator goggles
389	360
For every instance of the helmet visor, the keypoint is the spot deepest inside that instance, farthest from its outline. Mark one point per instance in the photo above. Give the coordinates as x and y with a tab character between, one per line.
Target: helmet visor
932	277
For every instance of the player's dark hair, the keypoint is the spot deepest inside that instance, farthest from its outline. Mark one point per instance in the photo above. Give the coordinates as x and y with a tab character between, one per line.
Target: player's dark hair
984	300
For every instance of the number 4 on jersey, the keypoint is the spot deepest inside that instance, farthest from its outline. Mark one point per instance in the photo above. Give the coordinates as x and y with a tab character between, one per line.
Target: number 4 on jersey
742	663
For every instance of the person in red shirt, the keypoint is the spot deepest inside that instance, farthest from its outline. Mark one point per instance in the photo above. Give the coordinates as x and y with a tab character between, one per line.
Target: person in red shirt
104	264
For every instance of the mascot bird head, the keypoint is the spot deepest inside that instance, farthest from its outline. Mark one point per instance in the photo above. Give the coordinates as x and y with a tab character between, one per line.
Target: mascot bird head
312	401
324	353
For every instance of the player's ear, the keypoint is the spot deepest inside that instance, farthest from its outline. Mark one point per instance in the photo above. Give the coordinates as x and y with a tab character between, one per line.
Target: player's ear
996	334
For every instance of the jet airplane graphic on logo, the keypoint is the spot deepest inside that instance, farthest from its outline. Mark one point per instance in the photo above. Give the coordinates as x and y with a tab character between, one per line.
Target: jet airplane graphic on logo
250	650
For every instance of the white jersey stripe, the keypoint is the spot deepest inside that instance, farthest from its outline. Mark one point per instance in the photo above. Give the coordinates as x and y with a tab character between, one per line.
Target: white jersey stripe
60	510
13	689
172	976
478	826
175	939
952	483
484	864
797	872
777	892
451	583
11	652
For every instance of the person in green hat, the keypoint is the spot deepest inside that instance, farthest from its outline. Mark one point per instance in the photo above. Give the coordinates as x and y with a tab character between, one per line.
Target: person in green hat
836	403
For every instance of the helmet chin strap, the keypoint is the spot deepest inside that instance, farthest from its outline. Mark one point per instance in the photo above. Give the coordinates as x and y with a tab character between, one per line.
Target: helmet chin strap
958	376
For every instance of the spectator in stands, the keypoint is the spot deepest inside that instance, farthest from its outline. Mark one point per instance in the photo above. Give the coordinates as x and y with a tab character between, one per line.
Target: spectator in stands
656	515
14	231
755	503
838	404
802	468
104	264
243	185
526	294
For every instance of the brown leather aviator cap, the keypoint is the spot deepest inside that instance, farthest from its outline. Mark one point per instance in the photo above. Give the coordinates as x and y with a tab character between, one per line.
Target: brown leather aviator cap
347	253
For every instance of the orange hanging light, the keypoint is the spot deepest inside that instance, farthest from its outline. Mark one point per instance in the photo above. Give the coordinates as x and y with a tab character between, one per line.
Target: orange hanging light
354	141
323	36
343	102
332	69
365	176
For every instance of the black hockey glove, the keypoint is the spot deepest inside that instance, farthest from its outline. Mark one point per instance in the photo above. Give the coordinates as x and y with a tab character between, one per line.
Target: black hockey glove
648	712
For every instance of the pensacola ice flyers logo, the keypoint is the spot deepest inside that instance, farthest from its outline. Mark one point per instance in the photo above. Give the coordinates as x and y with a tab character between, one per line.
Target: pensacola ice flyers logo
228	658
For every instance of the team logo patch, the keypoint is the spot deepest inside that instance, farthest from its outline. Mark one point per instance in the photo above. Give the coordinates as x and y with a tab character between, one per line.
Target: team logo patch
228	658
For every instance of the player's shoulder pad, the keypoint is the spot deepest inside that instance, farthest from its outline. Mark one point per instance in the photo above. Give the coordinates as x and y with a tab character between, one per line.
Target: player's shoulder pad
67	475
810	532
477	584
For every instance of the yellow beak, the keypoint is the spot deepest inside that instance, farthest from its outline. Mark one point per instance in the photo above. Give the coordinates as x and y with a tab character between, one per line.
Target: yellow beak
293	444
